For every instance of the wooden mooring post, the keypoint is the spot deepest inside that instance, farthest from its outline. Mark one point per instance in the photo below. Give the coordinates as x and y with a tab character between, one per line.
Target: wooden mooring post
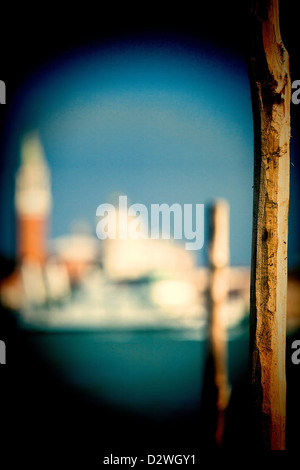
218	292
271	92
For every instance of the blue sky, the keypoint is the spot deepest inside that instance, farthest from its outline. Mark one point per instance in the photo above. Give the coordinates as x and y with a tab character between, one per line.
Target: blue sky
159	120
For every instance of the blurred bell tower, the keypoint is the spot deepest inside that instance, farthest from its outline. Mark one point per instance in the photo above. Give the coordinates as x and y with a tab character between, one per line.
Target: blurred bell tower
32	201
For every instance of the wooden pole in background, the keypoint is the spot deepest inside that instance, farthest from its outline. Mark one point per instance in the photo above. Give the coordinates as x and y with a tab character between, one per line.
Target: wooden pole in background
271	92
218	291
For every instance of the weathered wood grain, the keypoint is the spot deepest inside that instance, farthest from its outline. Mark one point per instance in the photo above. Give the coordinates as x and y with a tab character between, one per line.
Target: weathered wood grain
271	92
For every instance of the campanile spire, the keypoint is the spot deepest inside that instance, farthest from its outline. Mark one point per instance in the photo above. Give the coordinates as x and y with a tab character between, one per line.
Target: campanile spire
32	200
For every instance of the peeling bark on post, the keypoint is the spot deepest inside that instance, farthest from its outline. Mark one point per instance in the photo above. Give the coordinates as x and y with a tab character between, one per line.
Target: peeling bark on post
218	291
271	92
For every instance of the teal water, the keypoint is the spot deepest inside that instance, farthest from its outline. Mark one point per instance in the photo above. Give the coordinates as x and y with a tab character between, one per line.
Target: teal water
151	373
